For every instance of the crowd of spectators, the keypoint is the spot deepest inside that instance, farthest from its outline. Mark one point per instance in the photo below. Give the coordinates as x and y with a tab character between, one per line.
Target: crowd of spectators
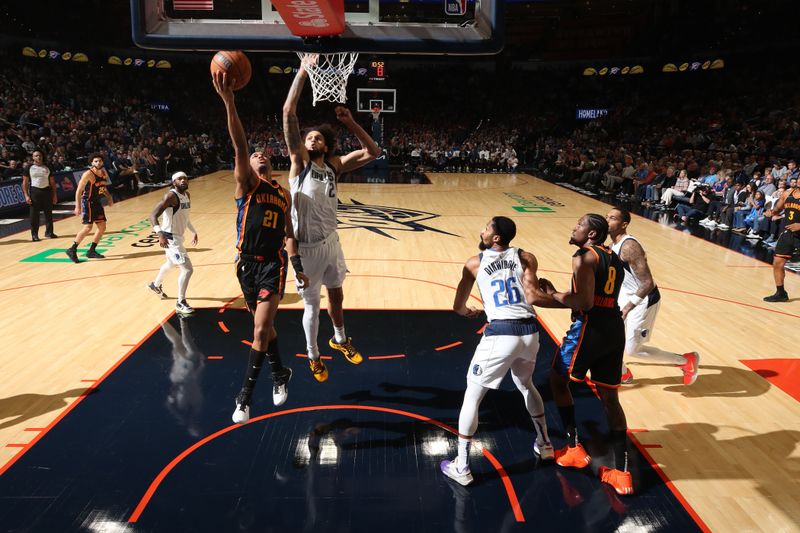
719	156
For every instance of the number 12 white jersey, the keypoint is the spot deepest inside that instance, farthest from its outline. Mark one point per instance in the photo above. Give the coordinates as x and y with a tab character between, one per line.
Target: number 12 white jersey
500	284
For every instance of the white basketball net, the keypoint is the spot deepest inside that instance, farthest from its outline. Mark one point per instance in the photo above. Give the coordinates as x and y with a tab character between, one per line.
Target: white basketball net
329	75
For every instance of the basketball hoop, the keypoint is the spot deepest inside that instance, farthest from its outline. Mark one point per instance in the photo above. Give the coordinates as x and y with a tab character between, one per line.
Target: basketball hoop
328	74
376	113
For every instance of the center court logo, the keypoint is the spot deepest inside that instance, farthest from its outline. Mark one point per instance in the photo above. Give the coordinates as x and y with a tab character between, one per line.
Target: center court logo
382	219
530	206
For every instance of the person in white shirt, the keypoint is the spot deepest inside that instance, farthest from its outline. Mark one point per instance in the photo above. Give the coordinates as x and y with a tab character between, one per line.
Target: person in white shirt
509	288
639	300
174	210
315	247
39	188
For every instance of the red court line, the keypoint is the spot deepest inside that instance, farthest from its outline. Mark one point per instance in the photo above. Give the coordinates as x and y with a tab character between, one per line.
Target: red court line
483	328
223	327
247	342
89	381
440	348
215	357
15	445
730	301
34	429
79	399
128	345
396	356
512	496
145	500
104	275
670	486
651	446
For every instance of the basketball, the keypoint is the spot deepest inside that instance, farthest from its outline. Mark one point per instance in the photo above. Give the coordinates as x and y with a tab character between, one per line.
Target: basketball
236	64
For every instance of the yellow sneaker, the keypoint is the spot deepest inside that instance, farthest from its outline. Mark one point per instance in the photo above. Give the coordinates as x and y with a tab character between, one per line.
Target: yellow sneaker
350	353
318	369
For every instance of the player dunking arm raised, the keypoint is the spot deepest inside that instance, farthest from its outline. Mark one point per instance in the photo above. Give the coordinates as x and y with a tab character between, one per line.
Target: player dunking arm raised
312	180
509	289
639	300
262	223
87	205
594	343
788	242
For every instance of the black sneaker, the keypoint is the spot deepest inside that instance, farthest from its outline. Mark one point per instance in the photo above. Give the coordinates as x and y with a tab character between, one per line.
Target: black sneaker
72	253
779	296
92	254
35	238
51	235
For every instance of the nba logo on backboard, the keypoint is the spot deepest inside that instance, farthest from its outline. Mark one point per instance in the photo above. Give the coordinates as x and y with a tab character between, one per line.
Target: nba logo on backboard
455	7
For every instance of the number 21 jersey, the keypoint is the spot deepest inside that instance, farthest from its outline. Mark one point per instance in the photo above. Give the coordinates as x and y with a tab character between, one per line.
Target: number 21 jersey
500	284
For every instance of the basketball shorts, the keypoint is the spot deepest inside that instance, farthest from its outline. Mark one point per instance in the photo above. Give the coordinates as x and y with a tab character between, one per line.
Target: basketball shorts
639	323
497	353
788	243
593	344
260	279
92	212
175	250
323	263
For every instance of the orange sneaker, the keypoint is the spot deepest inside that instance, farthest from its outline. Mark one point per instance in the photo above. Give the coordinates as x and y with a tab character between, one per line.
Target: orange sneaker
350	353
621	481
318	369
573	457
690	368
627	377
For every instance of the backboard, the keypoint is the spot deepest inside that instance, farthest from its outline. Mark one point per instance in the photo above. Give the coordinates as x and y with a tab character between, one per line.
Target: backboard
369	99
458	27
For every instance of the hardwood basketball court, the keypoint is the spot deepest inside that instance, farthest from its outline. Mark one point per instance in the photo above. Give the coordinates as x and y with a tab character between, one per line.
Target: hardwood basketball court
727	444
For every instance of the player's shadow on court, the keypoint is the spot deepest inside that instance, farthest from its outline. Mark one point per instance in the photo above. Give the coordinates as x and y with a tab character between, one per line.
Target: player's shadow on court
713	380
18	241
24	407
774	466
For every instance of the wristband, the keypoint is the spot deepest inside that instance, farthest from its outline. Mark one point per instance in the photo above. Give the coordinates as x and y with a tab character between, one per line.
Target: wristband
157	228
635	300
297	263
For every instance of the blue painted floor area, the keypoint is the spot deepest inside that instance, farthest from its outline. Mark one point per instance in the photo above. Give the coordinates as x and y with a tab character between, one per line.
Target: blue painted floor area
336	466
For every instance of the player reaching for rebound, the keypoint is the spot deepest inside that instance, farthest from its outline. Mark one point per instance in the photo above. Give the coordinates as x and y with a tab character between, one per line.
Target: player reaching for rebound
594	343
639	301
312	179
509	288
174	210
262	223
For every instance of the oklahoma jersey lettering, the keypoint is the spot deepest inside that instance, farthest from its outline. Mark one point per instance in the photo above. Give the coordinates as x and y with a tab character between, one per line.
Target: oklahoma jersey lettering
261	220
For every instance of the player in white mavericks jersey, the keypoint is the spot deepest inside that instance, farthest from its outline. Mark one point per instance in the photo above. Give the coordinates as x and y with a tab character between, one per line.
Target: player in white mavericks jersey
174	212
639	300
509	288
315	248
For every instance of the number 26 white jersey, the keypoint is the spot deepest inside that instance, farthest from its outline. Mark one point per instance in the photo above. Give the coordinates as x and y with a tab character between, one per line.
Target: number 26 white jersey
500	284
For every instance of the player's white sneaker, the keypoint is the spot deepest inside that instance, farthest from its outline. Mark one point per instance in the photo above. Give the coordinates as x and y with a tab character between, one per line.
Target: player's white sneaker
462	476
183	308
241	415
280	386
158	290
545	451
